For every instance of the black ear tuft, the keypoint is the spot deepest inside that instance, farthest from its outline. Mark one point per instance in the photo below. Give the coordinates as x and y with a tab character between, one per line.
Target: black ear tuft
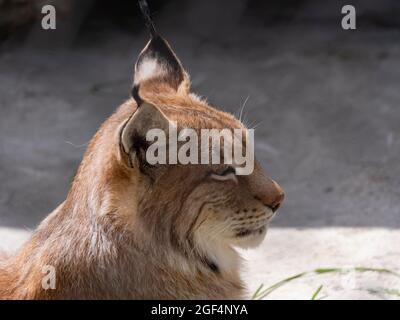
144	8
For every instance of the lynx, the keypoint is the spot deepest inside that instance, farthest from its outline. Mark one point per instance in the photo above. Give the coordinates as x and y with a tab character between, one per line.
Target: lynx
132	230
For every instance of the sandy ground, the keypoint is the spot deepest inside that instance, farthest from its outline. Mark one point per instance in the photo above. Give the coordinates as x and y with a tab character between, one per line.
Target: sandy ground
326	106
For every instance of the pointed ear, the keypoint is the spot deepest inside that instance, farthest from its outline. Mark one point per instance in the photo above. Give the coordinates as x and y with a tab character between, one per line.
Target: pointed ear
158	62
133	134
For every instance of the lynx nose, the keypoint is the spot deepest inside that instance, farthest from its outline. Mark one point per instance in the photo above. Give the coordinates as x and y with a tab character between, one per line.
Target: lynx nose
272	197
278	201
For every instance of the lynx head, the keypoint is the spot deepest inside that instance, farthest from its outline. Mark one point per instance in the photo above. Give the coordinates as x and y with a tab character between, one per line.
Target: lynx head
192	207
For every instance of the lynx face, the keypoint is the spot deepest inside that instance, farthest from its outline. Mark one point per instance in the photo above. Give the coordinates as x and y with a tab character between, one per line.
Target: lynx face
201	206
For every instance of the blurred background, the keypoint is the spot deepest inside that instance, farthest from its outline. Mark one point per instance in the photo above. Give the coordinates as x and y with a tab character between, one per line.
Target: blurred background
324	101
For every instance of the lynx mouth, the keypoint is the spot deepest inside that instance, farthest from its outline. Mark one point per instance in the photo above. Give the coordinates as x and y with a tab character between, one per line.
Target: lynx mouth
248	232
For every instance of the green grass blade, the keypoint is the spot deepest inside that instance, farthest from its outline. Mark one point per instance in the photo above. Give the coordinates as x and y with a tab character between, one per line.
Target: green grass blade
390	292
254	296
327	270
379	270
314	296
262	293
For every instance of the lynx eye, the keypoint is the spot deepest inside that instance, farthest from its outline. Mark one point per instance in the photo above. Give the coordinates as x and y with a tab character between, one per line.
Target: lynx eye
228	171
227	174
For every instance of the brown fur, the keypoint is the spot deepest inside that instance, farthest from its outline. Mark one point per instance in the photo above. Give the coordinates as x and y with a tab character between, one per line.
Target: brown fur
156	233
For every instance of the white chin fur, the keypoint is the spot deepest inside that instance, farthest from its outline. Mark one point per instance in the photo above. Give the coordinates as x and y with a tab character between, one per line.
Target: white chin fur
250	241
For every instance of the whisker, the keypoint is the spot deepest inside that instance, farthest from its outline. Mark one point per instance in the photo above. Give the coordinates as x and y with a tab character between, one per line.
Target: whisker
255	125
242	108
77	145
